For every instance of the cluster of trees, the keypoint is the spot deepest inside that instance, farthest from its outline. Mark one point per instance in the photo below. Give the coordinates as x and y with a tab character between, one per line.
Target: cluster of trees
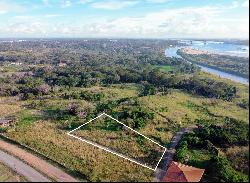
147	89
233	132
209	88
210	137
225	172
134	115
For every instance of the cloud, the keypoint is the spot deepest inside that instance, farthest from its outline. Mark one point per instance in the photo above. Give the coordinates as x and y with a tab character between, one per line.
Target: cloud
113	4
66	3
158	1
86	1
246	4
183	22
196	22
7	6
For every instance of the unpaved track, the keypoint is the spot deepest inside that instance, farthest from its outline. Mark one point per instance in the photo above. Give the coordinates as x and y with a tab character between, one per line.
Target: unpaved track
39	164
21	168
169	154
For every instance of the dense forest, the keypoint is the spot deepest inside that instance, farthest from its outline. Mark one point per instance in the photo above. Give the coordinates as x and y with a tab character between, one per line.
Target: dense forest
84	65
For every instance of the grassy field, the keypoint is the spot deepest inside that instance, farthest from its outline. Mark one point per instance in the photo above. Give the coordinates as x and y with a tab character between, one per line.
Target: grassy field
164	68
7	175
41	124
96	164
184	108
109	133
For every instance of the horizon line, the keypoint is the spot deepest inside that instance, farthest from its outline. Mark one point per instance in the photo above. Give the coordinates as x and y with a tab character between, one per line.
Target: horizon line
170	38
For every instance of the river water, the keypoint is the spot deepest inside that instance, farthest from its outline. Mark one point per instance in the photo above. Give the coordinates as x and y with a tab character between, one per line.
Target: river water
218	48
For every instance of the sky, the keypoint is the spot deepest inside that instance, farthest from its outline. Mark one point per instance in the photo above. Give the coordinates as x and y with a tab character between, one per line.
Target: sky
124	18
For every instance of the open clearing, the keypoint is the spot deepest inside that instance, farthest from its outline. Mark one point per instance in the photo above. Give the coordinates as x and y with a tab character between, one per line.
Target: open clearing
113	136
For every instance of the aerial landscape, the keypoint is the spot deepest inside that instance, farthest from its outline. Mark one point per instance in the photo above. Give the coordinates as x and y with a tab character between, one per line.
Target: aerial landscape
124	91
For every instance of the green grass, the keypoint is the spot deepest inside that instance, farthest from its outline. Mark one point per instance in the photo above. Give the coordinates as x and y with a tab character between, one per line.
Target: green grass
183	108
164	68
113	135
198	158
28	117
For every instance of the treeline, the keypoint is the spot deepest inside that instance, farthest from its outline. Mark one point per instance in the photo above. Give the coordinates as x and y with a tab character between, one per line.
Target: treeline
45	79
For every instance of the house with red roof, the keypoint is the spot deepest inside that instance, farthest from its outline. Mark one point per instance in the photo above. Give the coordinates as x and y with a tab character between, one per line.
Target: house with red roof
178	172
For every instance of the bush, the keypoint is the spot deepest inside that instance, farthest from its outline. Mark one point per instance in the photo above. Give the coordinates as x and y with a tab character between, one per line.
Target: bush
136	117
225	172
73	109
147	89
233	132
182	152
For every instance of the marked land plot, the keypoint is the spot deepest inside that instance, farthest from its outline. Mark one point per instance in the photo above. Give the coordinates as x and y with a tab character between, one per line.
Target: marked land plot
109	134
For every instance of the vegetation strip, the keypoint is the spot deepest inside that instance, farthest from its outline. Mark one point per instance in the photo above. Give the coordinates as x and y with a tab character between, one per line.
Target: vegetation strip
17	165
52	172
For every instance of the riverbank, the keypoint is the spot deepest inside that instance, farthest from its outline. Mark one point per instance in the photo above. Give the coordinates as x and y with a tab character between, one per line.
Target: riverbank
243	79
237	66
193	51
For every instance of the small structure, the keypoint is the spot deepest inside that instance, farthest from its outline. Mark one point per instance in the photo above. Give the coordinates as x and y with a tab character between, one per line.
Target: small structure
62	64
178	172
5	122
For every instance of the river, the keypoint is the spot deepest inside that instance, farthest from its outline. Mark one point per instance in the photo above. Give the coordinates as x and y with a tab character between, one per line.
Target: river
218	48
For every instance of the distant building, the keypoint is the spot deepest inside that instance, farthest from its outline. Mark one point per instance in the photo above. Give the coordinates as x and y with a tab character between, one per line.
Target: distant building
16	63
61	64
178	172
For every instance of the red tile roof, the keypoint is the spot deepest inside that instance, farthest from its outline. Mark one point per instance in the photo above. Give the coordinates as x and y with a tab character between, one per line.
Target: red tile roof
178	172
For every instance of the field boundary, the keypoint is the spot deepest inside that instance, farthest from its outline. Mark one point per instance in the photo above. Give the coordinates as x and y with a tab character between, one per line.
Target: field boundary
55	163
113	152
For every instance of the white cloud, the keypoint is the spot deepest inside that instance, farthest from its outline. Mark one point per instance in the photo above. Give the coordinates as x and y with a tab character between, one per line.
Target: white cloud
185	22
86	1
158	1
246	4
6	7
208	22
66	3
113	4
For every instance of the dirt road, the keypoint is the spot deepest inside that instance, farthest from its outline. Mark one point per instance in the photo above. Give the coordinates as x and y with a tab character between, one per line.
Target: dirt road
169	154
39	164
21	168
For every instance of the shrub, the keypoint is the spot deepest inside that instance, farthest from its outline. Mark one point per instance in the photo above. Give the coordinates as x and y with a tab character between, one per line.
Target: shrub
147	89
233	132
225	172
182	152
73	109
